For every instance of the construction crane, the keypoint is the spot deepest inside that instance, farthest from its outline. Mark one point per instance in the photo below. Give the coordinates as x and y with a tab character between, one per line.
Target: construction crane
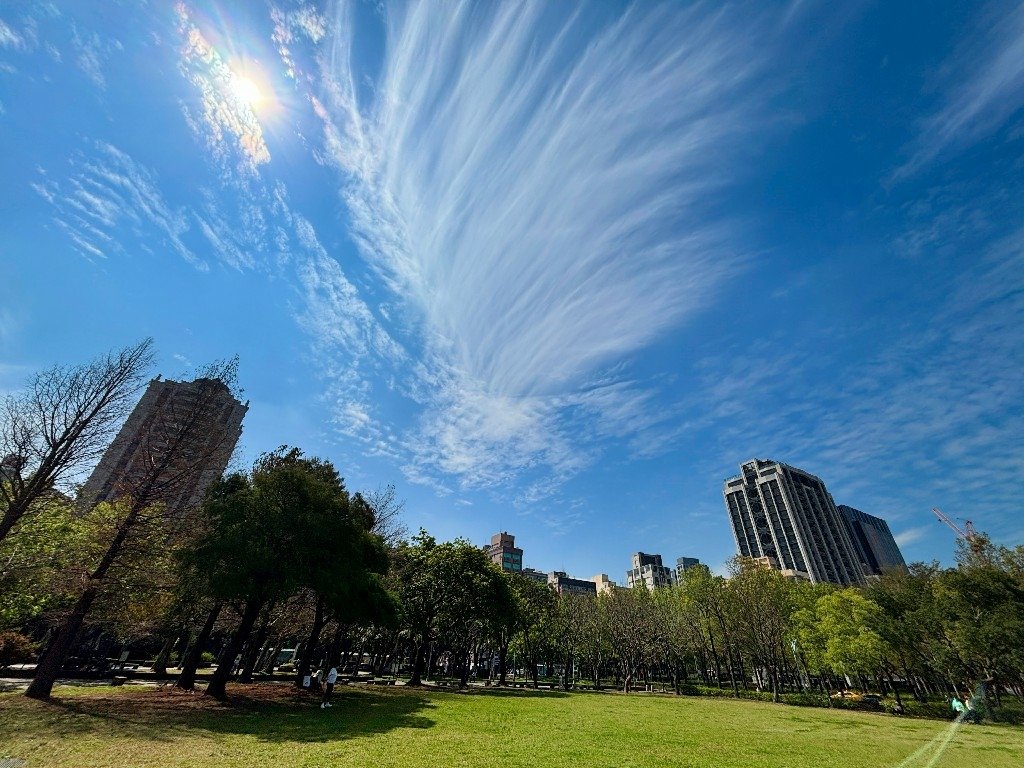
968	533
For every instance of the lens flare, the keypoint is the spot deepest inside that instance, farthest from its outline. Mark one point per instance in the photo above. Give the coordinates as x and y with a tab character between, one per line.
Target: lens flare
246	90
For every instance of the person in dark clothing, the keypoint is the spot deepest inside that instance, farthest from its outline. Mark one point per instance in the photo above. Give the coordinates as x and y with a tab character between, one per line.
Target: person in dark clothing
331	679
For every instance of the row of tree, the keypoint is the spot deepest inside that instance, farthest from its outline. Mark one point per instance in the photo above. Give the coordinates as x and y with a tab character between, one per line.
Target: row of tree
283	556
73	569
927	630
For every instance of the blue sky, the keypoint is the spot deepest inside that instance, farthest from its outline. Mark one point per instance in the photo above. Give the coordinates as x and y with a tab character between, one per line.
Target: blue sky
554	269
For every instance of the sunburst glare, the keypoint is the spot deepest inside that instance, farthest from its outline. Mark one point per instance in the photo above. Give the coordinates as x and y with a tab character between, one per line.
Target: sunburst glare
247	90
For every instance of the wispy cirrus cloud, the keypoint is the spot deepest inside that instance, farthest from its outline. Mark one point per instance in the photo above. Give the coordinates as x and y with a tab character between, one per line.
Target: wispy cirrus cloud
911	535
226	123
11	38
980	86
538	183
90	54
108	197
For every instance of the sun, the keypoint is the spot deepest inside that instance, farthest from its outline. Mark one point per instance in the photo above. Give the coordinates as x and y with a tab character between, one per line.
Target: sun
246	90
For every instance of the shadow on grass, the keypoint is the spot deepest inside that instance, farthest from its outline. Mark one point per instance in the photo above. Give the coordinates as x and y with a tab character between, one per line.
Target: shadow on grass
269	713
512	693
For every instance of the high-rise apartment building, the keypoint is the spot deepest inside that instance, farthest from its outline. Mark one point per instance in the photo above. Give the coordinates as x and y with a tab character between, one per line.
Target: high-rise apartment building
504	553
787	516
648	570
874	541
604	584
176	442
683	564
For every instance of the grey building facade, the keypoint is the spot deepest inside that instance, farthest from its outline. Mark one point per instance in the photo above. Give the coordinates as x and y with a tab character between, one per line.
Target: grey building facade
177	441
683	564
874	541
786	517
649	571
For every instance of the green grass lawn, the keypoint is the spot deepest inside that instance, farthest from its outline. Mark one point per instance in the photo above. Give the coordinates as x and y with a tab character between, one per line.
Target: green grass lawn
271	725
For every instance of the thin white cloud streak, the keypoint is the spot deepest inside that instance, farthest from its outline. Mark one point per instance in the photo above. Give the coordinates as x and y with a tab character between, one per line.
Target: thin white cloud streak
110	196
911	535
90	51
982	84
9	38
539	185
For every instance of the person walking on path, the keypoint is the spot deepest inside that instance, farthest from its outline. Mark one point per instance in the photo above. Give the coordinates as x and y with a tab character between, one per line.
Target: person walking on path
331	679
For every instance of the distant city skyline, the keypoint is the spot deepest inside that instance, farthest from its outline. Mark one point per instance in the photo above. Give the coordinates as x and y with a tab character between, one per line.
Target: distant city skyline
548	272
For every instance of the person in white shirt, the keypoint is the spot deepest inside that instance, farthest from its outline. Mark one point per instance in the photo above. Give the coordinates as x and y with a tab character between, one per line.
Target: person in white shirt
331	679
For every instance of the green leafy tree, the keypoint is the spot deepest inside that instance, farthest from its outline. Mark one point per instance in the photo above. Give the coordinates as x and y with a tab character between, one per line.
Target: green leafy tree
449	593
911	625
285	526
536	604
982	609
41	564
837	634
632	631
764	604
710	600
595	646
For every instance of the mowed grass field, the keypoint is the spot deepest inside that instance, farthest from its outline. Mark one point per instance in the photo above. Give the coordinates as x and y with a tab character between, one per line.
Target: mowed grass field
271	725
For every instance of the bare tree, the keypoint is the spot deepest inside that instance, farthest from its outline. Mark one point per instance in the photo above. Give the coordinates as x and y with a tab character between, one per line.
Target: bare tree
62	422
387	515
177	446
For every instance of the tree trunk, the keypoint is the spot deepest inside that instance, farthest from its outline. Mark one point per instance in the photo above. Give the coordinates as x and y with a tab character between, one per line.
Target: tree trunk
270	660
431	662
60	646
13	513
704	667
895	690
255	649
308	648
718	665
334	649
502	658
189	665
417	664
218	683
59	650
464	665
160	663
251	656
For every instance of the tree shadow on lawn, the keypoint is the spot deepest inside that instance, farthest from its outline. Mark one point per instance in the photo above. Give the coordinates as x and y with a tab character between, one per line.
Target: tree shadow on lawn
511	693
274	713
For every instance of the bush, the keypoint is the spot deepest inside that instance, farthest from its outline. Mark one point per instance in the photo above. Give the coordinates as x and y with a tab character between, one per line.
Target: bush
206	657
15	648
1011	711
